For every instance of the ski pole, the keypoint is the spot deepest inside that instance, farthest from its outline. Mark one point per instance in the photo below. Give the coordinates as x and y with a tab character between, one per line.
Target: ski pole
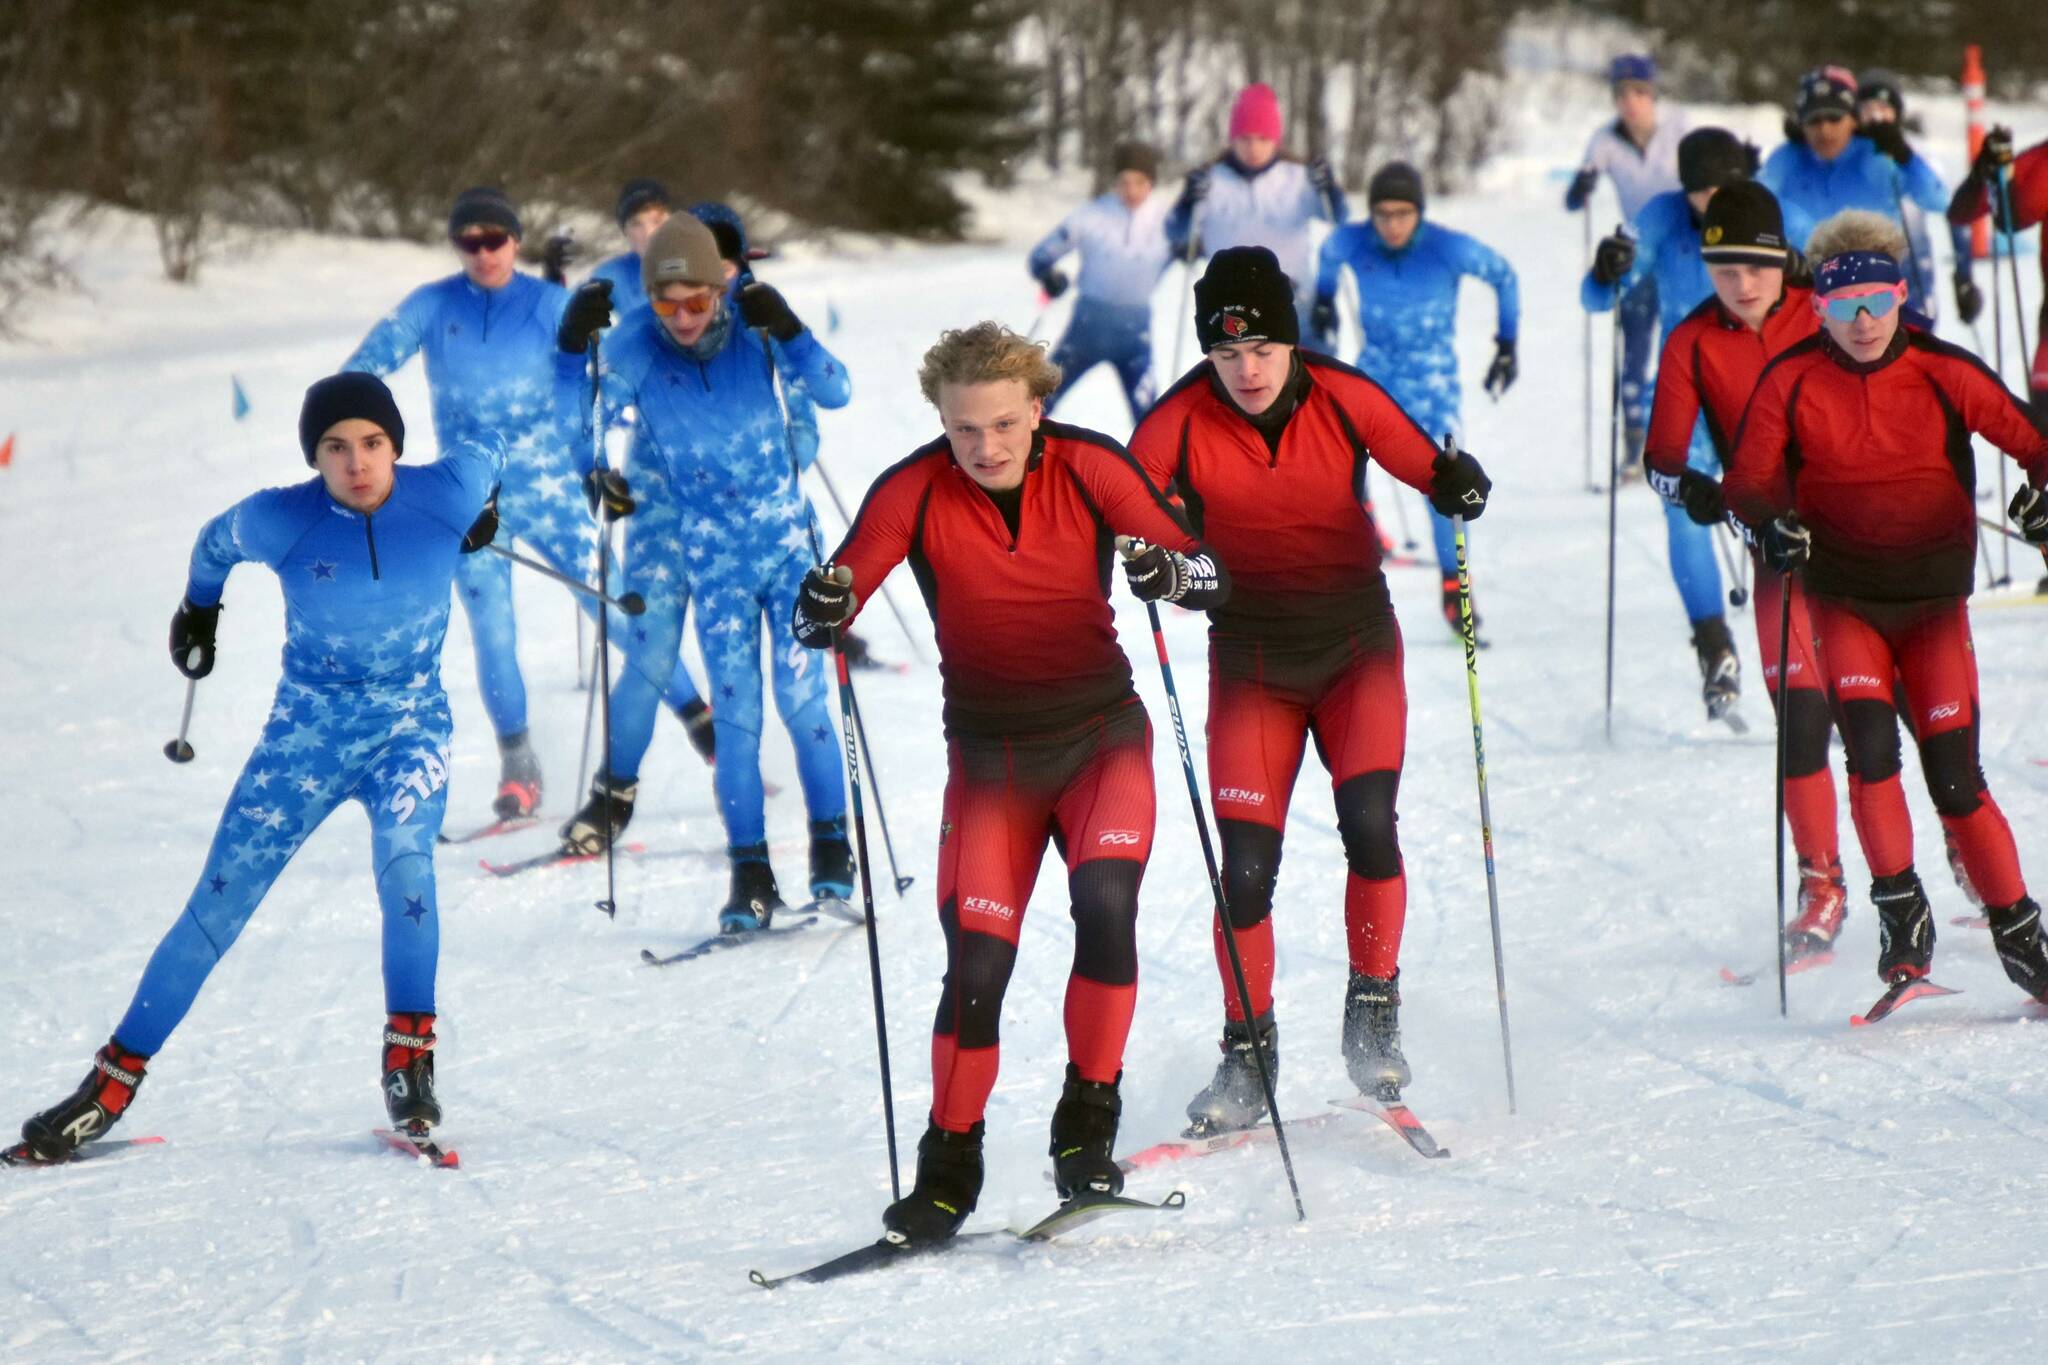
631	603
1613	497
1130	548
1785	591
589	717
602	684
838	502
1586	356
582	678
1998	354
1187	297
1038	321
1469	630
177	750
2006	531
1738	594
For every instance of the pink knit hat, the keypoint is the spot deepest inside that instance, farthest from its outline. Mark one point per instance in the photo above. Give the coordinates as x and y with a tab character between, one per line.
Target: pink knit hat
1256	113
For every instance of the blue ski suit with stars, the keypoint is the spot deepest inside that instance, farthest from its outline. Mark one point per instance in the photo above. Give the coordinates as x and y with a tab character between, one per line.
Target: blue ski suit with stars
720	512
359	715
490	357
1408	309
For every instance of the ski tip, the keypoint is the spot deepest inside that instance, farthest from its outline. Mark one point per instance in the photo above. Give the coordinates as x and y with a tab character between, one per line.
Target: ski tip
1731	977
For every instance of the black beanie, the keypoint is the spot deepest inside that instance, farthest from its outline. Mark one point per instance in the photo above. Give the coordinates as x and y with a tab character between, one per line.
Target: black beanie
1709	158
639	194
1141	157
483	206
1398	181
1244	296
342	396
1743	225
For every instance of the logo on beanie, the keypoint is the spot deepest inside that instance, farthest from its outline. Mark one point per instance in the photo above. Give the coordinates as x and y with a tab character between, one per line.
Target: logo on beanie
1235	326
1712	236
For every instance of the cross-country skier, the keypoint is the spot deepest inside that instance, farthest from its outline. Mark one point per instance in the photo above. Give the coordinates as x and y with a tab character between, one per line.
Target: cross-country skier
1667	249
643	205
487	335
720	510
1008	521
1881	98
2028	176
1254	196
1853	470
1266	446
1121	239
1407	272
365	552
1828	163
1639	153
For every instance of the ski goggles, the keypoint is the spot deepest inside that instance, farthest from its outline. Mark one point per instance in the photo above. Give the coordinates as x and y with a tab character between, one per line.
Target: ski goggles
1877	302
696	305
470	243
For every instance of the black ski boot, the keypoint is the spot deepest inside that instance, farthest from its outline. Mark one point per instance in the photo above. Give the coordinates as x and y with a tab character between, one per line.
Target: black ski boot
2022	949
754	899
518	778
695	714
1234	1097
1372	1035
88	1112
409	1073
1720	668
831	861
947	1189
1084	1137
604	817
1905	927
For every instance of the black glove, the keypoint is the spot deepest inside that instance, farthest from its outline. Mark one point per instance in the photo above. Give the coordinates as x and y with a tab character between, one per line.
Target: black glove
192	638
763	307
1500	376
1054	283
1993	155
1195	188
1969	299
1786	544
588	313
2029	512
484	529
556	257
1700	495
609	485
1582	188
1322	177
824	602
1612	258
1322	320
1458	486
1889	138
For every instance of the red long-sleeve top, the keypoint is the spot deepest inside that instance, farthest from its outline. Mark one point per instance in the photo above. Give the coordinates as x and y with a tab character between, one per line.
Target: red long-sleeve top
2029	206
1026	638
1290	522
1709	367
1876	459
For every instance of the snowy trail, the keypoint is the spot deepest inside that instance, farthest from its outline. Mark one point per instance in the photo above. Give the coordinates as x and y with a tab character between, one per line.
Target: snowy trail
1689	1176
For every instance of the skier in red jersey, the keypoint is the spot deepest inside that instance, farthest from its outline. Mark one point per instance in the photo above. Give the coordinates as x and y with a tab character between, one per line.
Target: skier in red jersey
1266	446
1008	522
2028	176
1854	466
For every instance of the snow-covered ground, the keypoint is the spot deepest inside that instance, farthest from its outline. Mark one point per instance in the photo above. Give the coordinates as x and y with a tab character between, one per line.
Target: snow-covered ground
1689	1174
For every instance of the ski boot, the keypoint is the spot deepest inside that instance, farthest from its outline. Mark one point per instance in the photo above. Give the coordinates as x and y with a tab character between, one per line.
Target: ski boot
1720	669
409	1073
88	1112
2022	949
1084	1137
1235	1098
1372	1036
603	818
1823	905
754	900
831	861
518	778
1905	927
947	1189
695	714
1959	872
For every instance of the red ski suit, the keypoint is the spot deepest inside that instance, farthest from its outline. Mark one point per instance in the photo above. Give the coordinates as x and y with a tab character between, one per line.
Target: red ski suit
2029	177
1307	644
1045	737
1876	460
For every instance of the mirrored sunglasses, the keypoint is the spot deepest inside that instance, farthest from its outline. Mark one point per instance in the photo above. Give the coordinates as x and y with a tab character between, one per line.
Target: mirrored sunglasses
1845	307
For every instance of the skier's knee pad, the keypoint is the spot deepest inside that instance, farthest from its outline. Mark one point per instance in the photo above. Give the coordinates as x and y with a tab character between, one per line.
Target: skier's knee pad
1366	820
1870	731
1105	895
1954	777
1251	867
1808	723
971	1002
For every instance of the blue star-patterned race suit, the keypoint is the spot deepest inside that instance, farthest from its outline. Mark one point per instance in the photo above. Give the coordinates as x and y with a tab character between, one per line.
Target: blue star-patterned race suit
359	715
490	357
719	509
1408	309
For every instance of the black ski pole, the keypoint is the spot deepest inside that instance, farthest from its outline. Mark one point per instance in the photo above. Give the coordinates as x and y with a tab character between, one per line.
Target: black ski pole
603	679
631	603
1613	497
832	491
1468	629
1785	591
1131	548
177	750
